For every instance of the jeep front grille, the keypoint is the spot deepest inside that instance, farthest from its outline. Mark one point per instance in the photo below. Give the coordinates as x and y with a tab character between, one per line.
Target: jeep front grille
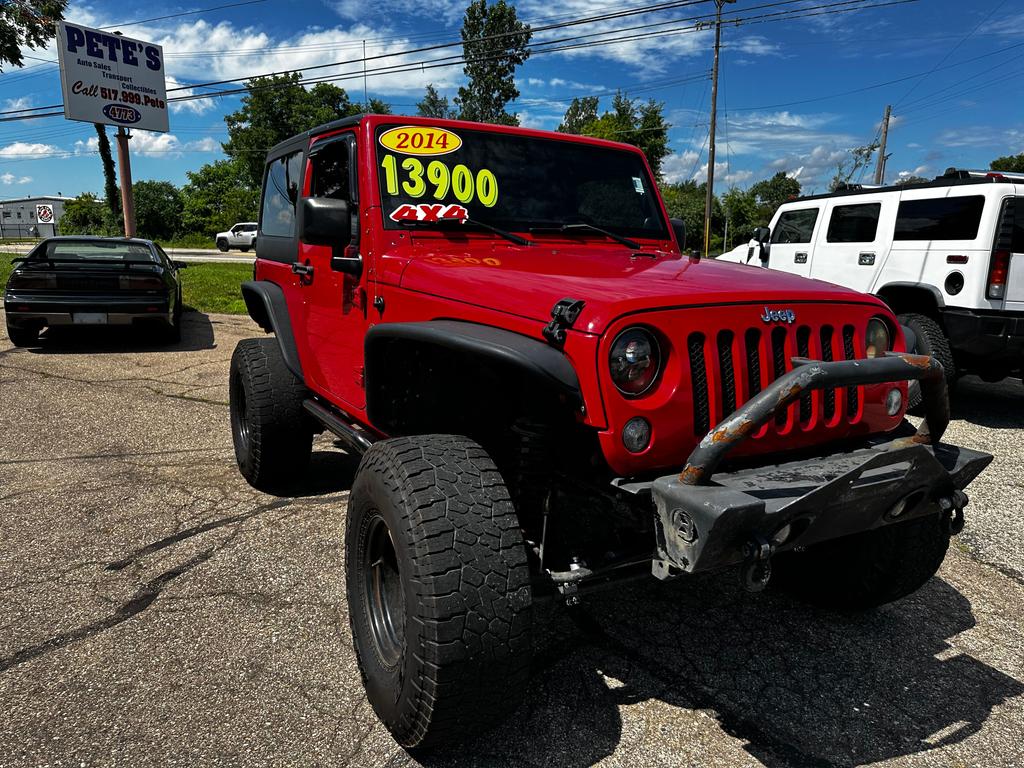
727	369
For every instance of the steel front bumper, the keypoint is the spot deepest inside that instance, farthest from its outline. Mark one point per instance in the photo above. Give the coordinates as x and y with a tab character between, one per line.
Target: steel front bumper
706	520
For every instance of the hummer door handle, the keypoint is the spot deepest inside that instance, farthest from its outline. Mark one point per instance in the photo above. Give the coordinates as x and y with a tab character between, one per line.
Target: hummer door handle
800	258
866	259
306	270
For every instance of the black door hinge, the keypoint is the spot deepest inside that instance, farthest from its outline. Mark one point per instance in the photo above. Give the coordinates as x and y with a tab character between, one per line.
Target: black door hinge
563	315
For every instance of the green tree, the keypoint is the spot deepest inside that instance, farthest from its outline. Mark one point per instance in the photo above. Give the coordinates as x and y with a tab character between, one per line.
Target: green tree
494	43
84	215
111	193
857	158
28	23
158	207
434	105
742	213
911	180
773	192
278	107
580	114
640	124
685	200
1010	163
217	196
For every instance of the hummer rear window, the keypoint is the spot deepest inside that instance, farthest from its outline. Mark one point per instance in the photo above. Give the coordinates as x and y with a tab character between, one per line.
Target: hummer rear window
512	181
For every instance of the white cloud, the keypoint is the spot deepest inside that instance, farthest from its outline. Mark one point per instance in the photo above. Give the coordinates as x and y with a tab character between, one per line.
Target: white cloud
758	46
195	106
10	178
207	144
21	102
22	149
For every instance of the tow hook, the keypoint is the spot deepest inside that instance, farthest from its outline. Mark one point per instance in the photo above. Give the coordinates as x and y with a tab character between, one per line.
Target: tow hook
756	570
952	507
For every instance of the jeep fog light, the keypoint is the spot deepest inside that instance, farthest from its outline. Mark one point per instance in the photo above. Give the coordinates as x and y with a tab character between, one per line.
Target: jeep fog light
893	402
877	341
636	435
634	361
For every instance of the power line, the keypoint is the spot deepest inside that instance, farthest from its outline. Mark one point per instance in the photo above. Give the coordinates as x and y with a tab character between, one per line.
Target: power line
183	13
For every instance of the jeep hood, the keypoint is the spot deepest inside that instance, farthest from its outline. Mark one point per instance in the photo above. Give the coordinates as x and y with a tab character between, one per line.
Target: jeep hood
528	281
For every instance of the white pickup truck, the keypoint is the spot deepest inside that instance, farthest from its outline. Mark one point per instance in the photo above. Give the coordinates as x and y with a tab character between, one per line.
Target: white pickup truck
242	236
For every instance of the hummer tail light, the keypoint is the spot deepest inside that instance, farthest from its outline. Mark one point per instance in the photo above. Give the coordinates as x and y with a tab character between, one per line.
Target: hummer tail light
998	271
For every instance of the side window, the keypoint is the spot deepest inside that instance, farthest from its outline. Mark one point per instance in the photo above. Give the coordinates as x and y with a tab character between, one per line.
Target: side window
795	226
944	218
281	187
854	223
1017	245
331	172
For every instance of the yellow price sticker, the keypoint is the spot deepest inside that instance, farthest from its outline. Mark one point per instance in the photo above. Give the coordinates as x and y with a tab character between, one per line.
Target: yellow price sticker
459	180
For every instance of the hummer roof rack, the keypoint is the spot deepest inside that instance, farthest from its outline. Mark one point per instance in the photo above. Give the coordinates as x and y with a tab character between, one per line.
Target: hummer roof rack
996	176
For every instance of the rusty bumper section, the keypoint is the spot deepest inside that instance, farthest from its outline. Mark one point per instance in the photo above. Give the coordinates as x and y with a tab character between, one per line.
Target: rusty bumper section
749	514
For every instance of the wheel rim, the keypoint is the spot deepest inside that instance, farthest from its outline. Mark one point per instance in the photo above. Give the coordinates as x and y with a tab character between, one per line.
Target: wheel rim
240	414
382	592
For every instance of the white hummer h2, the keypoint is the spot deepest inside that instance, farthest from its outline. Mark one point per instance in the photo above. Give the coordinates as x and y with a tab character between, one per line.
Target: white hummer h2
947	256
241	236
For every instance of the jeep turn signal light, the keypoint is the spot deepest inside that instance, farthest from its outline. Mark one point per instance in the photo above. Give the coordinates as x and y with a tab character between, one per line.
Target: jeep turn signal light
997	274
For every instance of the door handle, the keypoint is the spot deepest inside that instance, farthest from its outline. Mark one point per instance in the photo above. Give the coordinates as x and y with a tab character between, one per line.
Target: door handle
866	259
800	258
306	270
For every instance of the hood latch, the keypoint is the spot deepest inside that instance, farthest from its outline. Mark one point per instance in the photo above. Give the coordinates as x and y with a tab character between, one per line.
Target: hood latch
563	315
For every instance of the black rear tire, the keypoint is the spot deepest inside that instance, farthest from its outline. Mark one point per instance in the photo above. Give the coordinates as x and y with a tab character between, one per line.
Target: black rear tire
438	589
272	433
931	341
863	571
23	337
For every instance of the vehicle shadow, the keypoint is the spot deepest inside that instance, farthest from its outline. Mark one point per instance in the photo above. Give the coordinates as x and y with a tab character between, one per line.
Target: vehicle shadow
196	334
796	686
997	405
331	470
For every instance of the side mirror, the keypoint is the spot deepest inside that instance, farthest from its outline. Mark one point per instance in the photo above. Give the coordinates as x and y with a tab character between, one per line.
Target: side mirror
180	264
679	228
762	235
325	221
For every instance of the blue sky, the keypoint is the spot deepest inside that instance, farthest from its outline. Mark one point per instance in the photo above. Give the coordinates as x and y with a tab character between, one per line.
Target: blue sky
795	94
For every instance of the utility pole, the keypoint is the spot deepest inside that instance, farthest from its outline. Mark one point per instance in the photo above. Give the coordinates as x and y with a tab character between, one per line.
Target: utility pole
880	168
124	167
710	201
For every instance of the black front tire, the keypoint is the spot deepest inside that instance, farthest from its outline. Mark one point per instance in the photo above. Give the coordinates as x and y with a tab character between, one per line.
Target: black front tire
865	570
931	341
23	337
272	433
222	246
438	589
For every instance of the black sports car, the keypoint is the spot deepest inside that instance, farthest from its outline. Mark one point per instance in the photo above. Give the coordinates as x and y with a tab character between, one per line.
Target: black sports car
93	281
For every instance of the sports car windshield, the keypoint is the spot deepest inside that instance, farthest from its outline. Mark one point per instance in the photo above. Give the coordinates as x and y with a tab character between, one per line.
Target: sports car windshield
86	250
513	182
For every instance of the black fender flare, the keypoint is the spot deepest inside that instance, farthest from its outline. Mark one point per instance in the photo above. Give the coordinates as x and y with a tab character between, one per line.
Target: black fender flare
266	305
538	360
940	303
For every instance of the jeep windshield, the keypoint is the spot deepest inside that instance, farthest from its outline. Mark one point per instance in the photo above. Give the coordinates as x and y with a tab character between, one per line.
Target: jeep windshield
429	174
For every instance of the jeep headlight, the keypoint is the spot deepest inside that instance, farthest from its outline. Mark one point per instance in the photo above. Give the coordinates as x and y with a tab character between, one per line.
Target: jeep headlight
634	361
877	340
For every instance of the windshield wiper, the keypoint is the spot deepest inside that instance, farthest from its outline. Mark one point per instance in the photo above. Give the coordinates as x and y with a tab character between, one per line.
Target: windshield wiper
443	223
581	227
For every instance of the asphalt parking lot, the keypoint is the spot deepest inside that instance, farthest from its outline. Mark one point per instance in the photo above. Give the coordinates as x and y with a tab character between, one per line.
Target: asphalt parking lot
155	610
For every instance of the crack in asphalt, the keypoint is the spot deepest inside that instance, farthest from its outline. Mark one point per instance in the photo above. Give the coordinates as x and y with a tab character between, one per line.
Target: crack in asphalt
143	598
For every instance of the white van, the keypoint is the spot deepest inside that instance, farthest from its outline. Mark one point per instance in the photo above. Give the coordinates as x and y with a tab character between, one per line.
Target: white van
947	256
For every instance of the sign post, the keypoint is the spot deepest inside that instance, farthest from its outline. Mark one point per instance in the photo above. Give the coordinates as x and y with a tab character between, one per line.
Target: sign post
113	80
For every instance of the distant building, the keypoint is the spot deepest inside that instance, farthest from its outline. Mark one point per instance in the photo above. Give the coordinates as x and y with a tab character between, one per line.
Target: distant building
31	216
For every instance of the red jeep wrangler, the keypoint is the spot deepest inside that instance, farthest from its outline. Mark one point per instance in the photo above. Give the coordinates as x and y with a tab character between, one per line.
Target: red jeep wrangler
549	395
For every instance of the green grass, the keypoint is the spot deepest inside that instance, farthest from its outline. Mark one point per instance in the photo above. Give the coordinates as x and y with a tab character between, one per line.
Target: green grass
207	287
215	287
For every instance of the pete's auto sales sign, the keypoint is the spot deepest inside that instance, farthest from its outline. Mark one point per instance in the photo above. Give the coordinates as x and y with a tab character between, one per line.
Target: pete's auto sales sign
111	79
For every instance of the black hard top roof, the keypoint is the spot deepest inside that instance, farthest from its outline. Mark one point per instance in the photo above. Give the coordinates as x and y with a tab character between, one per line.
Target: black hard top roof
94	239
302	139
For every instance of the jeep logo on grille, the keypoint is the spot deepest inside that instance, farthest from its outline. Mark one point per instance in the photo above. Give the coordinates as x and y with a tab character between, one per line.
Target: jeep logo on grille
779	316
